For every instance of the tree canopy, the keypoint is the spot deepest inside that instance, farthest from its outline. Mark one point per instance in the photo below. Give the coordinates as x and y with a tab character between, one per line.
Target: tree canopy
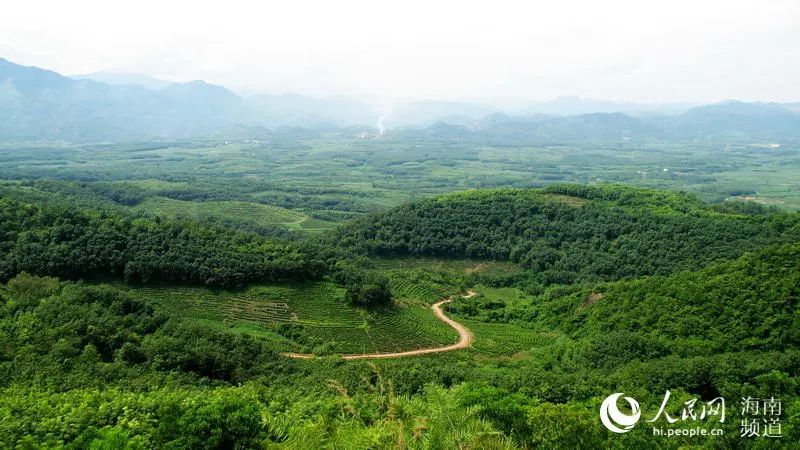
72	243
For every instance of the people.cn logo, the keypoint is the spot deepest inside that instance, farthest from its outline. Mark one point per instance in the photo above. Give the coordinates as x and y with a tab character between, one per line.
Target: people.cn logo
616	420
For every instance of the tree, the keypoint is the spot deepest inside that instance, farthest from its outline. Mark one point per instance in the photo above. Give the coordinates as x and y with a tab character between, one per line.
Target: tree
364	287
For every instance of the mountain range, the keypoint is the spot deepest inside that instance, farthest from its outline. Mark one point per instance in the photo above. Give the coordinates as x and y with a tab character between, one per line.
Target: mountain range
39	104
124	79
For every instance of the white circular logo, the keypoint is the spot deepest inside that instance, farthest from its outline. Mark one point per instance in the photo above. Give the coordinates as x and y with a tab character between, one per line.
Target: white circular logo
616	420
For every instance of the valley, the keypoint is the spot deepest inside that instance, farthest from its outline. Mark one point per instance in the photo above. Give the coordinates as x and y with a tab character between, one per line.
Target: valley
502	299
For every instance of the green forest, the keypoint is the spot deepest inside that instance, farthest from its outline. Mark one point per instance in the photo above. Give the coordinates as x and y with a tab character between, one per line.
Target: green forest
72	243
567	234
122	328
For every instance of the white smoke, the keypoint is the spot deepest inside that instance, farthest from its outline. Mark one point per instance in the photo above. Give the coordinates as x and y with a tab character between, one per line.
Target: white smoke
381	120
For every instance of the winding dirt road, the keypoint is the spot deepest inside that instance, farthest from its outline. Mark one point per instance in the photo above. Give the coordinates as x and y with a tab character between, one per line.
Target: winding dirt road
465	339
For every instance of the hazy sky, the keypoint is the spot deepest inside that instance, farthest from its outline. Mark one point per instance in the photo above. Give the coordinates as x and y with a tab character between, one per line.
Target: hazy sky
623	50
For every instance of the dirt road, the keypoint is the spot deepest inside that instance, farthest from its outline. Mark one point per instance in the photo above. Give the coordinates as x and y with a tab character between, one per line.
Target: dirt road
464	339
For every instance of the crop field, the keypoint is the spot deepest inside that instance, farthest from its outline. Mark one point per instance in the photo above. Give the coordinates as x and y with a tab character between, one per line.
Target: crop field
418	286
319	308
321	312
424	280
503	340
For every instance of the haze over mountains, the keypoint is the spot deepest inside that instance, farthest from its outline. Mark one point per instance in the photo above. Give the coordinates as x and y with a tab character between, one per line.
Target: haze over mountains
38	104
124	79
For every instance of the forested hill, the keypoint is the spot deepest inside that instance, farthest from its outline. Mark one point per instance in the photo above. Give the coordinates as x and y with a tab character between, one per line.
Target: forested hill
570	233
71	243
748	304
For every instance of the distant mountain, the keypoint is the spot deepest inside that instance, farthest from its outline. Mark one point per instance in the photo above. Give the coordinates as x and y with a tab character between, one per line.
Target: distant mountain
41	104
439	130
571	105
124	79
594	126
430	111
735	119
38	104
499	124
605	126
724	121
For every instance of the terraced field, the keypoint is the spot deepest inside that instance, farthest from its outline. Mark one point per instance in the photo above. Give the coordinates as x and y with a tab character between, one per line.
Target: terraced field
418	286
500	339
408	328
426	280
319	308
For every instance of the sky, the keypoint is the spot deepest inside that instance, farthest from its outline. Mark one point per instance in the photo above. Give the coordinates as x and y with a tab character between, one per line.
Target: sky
638	51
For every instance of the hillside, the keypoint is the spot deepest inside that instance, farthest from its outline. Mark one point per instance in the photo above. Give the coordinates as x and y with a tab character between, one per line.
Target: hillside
747	304
37	104
74	243
571	233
